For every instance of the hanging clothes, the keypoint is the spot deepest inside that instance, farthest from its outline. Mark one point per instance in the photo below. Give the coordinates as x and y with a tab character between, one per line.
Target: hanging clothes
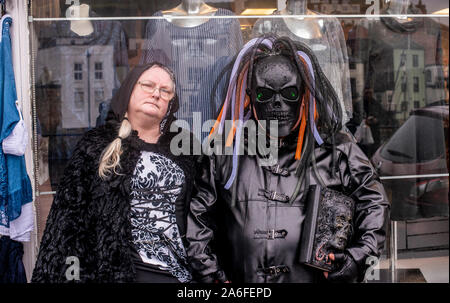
11	265
197	55
15	185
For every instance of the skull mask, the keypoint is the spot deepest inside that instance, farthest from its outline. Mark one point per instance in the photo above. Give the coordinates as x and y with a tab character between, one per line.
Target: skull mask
341	228
278	91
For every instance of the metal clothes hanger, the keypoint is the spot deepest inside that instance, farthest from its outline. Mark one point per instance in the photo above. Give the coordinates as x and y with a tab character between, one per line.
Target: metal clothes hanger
3	7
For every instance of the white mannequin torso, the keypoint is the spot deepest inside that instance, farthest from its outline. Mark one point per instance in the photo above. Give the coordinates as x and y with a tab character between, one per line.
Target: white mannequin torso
80	27
306	28
190	8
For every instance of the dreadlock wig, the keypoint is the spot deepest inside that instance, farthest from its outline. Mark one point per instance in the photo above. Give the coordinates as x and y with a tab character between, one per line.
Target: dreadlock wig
319	112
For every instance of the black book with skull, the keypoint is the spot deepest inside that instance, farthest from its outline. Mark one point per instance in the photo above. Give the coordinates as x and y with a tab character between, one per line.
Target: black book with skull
327	228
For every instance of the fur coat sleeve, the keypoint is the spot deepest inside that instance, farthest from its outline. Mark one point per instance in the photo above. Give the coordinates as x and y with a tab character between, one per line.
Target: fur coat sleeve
65	236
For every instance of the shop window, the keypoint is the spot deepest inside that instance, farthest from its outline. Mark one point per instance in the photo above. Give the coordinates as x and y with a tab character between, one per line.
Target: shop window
404	71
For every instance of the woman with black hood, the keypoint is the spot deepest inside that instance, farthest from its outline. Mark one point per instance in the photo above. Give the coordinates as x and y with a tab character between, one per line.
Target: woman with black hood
119	214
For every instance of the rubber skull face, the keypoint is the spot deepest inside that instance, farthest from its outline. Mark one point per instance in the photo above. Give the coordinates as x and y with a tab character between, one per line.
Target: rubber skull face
278	93
341	228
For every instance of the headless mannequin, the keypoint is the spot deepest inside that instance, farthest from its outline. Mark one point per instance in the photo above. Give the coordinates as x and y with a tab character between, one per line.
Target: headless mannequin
306	28
190	8
399	7
80	27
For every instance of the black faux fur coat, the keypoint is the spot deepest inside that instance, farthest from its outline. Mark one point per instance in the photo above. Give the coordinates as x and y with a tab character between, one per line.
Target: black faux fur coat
89	218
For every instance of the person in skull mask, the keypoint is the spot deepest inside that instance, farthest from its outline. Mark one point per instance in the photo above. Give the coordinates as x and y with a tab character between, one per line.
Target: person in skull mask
245	219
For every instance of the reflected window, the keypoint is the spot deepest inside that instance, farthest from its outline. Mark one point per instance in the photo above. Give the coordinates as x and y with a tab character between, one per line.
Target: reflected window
78	71
403	84
99	95
416	84
79	101
98	71
415	60
404	106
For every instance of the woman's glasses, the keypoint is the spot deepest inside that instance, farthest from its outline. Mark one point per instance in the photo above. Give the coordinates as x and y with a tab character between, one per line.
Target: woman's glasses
150	87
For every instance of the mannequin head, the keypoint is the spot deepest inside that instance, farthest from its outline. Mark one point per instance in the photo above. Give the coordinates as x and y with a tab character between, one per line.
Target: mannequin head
278	93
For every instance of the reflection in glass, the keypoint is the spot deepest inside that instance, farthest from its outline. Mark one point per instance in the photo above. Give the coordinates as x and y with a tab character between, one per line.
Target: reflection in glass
418	147
198	55
78	66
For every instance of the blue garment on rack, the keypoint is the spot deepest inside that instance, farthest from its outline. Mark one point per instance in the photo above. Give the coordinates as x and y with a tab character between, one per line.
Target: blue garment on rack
15	185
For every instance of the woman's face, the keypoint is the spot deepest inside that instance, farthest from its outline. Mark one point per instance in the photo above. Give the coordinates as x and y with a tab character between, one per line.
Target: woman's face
151	95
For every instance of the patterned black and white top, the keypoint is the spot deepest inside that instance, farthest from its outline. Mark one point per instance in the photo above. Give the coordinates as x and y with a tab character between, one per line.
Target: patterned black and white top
156	183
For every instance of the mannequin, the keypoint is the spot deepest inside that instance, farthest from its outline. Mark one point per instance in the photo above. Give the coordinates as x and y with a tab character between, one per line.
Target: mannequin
80	27
399	7
323	35
306	28
197	49
190	8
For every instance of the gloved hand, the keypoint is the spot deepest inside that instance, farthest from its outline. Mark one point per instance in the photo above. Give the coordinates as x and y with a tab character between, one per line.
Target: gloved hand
347	272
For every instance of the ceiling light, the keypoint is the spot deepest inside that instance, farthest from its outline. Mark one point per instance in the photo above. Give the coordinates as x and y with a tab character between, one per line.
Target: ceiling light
258	11
441	12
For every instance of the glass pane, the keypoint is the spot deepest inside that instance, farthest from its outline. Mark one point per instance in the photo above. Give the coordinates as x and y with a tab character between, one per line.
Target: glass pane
390	74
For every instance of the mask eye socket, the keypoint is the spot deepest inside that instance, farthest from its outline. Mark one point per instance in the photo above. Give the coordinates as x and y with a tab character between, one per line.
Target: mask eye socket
264	94
290	93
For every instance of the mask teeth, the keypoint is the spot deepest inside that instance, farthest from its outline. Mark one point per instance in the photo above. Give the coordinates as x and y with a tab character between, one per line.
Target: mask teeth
274	115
